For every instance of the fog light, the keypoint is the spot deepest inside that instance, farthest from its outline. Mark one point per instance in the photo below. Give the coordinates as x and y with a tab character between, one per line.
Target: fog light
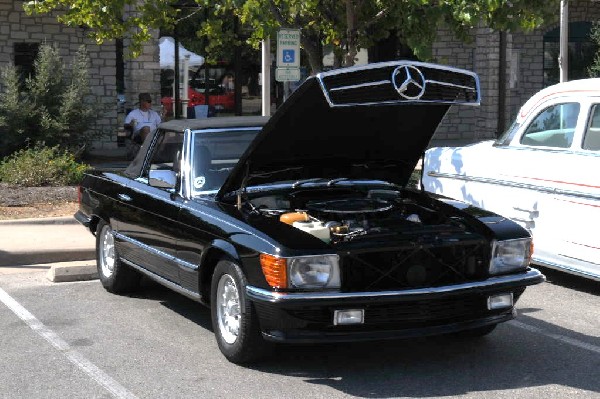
348	316
500	301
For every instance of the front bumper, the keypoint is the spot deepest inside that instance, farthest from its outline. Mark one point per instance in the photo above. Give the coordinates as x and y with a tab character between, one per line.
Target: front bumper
83	219
308	316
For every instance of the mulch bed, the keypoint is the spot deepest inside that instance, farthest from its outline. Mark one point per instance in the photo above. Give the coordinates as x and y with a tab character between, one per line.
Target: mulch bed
23	196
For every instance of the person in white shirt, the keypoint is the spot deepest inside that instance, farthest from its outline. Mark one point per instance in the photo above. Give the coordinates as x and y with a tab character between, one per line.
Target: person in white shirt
142	120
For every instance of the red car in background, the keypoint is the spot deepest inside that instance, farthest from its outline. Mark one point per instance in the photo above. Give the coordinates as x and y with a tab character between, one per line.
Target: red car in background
220	99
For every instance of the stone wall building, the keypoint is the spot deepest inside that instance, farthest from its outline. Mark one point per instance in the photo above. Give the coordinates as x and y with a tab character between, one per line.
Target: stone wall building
530	65
21	35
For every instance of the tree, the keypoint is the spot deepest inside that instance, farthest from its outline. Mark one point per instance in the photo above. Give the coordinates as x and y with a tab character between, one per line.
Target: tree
347	25
51	107
594	69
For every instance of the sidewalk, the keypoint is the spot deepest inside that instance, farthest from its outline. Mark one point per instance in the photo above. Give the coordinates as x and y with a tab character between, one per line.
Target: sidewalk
61	245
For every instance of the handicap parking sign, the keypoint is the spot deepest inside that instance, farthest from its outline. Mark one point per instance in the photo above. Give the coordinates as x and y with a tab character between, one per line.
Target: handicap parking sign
288	48
289	56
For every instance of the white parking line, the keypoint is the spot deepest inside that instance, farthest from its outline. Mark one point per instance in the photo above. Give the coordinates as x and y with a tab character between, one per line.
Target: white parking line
112	386
558	337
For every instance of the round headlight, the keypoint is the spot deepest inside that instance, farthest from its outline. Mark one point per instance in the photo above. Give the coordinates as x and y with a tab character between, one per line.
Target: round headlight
313	271
510	255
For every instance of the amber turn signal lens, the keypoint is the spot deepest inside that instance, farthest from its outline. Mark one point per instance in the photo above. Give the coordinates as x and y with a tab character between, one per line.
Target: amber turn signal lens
531	248
274	269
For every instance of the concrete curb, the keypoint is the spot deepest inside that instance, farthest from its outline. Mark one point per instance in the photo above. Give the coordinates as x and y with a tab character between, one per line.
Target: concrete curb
20	258
72	271
40	221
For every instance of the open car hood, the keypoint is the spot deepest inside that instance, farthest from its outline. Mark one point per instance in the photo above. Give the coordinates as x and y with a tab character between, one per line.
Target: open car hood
367	122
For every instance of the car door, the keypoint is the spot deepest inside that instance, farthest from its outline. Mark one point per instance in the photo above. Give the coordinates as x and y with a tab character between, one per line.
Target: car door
204	222
572	240
549	181
148	224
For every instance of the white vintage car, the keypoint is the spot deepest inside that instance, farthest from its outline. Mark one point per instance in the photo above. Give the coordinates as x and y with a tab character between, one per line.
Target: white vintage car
543	172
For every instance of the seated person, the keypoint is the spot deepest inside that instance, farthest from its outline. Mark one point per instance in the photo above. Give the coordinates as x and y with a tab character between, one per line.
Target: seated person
143	120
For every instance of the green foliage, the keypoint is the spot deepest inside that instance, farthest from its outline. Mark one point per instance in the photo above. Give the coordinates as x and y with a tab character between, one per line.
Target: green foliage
52	107
347	25
16	112
414	180
107	20
41	166
594	69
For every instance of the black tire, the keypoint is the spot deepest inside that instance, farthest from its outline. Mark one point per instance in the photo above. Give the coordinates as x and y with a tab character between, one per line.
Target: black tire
115	276
234	319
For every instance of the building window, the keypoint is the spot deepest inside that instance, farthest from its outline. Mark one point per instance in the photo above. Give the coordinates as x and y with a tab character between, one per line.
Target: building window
25	55
581	52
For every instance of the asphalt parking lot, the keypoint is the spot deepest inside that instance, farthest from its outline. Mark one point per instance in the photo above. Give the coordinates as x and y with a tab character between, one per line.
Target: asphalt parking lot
75	340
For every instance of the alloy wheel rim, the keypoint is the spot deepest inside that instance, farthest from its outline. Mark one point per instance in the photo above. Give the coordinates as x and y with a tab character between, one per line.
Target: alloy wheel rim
107	255
228	309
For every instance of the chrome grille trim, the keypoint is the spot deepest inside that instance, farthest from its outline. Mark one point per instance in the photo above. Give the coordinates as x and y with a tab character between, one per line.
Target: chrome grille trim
440	84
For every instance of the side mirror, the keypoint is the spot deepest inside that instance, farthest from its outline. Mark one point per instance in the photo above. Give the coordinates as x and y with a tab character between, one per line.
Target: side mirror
162	178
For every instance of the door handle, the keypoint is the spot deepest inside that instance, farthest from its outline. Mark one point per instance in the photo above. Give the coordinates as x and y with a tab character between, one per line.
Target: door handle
124	197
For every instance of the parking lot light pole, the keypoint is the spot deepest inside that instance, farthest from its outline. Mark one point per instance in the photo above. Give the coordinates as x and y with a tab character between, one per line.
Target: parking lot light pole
563	58
266	76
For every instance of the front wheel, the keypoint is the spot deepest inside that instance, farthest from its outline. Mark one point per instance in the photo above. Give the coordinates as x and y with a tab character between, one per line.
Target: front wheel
114	275
234	319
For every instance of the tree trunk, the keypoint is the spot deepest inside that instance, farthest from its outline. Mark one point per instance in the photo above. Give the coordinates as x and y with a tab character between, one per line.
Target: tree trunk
351	44
314	50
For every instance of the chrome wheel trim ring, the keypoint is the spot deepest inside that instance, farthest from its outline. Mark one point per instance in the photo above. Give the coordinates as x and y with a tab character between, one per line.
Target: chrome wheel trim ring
107	252
228	309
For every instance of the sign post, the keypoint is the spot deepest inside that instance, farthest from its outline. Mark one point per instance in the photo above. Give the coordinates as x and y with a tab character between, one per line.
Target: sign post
288	55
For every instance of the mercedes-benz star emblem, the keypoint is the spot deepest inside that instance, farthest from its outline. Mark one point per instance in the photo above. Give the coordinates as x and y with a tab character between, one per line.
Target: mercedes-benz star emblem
409	82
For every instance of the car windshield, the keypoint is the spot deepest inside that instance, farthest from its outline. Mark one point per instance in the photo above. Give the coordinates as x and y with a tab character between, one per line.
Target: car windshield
214	153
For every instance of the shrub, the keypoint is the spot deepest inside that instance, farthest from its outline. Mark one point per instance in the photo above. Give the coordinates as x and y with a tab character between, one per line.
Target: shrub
17	115
41	166
54	106
415	179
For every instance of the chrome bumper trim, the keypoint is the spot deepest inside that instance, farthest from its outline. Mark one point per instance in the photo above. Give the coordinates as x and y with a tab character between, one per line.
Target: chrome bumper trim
507	183
531	277
565	268
156	252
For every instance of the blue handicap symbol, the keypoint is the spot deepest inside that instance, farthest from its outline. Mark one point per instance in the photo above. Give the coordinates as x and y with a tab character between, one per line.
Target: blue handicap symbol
289	56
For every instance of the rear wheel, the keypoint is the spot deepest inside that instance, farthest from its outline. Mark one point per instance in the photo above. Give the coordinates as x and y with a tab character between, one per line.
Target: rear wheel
114	275
234	319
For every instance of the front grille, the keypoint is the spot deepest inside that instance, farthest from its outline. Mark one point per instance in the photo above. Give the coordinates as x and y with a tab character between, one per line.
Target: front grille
379	85
415	267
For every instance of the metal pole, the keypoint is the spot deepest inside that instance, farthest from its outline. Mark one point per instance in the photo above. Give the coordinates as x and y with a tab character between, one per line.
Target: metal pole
186	83
563	58
502	86
176	95
266	77
237	70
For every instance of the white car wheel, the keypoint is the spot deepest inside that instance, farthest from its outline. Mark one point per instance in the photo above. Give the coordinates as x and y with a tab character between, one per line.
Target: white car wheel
114	275
228	308
107	252
234	318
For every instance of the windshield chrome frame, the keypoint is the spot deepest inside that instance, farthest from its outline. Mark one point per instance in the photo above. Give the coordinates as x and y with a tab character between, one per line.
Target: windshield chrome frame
189	156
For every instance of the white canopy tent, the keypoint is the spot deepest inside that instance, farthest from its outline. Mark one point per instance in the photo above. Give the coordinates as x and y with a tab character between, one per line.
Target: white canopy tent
167	54
187	59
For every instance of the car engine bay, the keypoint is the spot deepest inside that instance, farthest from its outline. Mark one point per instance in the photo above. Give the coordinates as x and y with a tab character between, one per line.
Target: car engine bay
338	215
